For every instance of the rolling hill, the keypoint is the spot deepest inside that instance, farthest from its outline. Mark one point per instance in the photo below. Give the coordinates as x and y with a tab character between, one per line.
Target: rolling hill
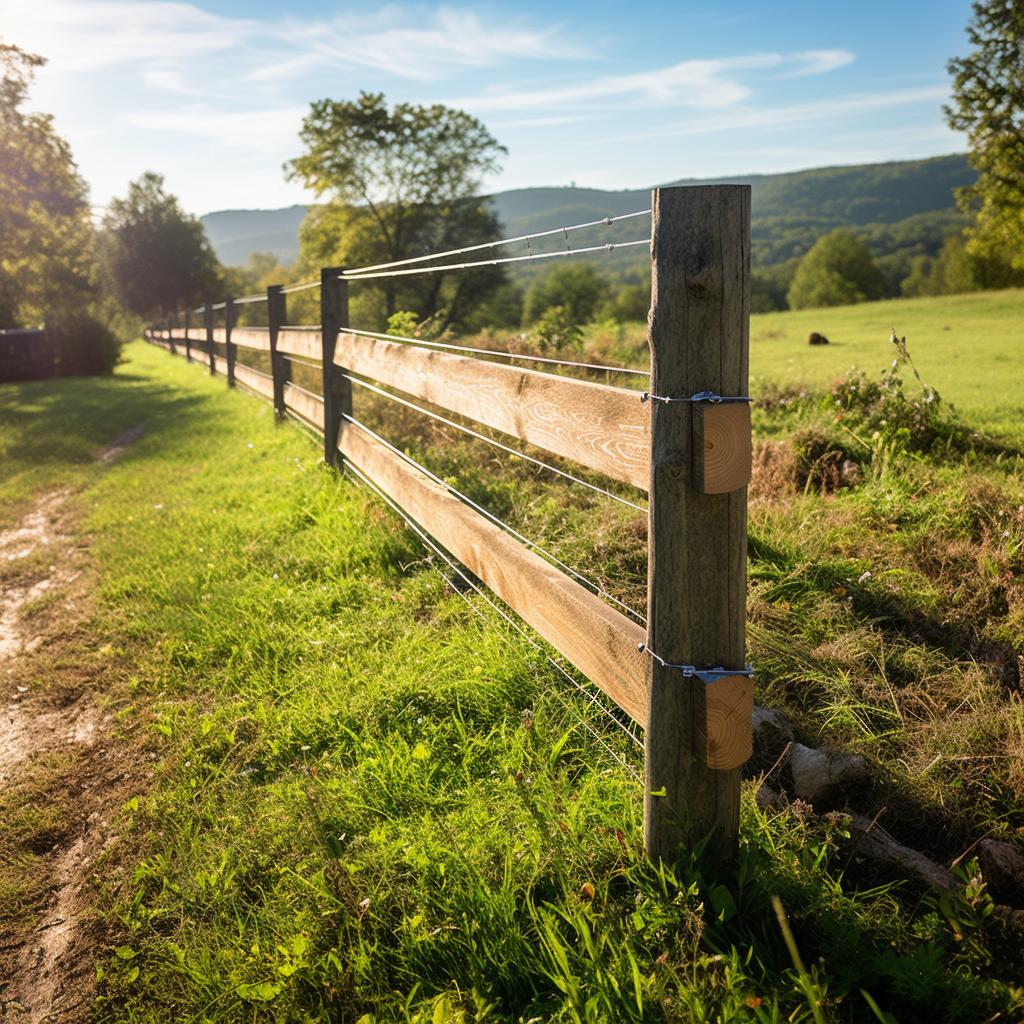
905	205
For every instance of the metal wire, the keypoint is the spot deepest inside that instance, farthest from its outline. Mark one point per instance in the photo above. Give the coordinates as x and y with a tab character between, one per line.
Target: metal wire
305	391
289	288
254	370
497	444
249	298
302	362
514	356
493	245
456	568
606	247
511	530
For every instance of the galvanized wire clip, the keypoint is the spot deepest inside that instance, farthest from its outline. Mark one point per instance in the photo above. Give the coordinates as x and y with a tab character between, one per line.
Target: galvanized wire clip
705	675
701	396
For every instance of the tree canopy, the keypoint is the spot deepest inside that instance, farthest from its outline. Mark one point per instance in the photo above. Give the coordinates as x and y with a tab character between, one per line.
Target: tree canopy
46	259
988	104
401	181
838	270
157	256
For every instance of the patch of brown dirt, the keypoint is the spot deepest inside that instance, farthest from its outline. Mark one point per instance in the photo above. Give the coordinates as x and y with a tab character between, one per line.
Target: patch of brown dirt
59	760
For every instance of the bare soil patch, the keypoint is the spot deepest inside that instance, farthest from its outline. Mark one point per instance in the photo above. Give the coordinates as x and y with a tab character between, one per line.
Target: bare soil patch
66	767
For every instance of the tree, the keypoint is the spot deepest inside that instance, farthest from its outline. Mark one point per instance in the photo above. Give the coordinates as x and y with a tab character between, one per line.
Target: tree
46	254
577	287
402	182
837	270
988	95
157	256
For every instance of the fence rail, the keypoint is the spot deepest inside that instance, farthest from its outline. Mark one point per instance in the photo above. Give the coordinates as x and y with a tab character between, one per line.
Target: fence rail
683	679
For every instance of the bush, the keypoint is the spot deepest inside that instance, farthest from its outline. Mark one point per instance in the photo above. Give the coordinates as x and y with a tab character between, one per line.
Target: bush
838	270
557	330
578	287
83	345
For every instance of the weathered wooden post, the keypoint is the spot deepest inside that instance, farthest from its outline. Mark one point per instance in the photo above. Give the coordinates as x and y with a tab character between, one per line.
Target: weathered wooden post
188	343
276	314
229	323
208	319
701	695
336	386
171	324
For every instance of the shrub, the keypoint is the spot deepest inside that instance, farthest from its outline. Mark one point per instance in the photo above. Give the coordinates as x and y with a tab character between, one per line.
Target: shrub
838	270
558	330
83	345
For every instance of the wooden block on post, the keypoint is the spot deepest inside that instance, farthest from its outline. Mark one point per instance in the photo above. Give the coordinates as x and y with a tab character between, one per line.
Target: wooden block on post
276	313
722	453
337	389
229	323
729	732
699	340
208	319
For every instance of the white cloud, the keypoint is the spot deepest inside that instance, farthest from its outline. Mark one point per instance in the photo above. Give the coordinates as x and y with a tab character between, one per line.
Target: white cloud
691	83
263	131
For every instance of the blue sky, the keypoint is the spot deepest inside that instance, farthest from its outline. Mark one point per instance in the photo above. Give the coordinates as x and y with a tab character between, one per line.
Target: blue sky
602	93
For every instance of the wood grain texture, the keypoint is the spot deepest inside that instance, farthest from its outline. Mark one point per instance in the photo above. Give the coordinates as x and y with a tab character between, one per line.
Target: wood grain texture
251	337
600	642
598	426
295	342
722	449
729	737
699	339
304	405
254	380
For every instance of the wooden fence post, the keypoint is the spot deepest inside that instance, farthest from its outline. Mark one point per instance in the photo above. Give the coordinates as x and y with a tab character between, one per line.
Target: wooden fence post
171	323
229	323
336	387
276	314
188	341
208	318
699	340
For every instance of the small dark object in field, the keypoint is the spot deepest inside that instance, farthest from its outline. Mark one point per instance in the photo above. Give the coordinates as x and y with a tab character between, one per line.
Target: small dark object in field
1002	867
817	339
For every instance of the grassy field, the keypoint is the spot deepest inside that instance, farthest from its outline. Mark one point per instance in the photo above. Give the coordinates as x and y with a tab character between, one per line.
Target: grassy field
968	347
374	802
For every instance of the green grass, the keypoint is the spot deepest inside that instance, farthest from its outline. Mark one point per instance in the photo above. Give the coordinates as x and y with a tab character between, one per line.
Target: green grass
969	347
372	803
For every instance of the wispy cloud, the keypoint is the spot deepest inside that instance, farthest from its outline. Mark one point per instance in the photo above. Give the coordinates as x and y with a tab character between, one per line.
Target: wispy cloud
692	83
260	130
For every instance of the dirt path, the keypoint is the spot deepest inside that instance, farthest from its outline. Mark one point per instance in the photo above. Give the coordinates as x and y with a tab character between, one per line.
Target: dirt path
63	775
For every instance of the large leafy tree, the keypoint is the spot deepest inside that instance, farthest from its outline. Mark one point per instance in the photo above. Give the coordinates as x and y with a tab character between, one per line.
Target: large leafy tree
46	235
401	182
837	270
988	104
157	256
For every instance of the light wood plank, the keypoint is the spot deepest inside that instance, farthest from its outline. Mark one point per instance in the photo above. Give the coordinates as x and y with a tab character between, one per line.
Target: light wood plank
254	380
305	405
251	337
600	642
220	335
601	427
294	342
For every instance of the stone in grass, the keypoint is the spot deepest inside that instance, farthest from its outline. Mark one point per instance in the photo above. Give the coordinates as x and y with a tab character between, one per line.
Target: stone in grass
1002	867
817	339
772	733
824	777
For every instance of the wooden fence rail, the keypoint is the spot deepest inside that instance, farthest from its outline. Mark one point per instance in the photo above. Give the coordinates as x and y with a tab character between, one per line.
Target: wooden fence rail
687	444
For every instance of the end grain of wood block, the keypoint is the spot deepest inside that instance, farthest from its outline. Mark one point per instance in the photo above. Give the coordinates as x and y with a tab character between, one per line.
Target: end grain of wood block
722	450
729	704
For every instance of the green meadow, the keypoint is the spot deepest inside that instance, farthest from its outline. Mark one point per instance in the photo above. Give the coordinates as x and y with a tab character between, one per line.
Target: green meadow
372	800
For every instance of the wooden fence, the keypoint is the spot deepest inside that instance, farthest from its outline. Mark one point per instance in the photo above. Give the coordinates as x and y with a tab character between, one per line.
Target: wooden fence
686	442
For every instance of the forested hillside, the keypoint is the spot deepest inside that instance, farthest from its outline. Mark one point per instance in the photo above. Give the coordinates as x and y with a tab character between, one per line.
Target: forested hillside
901	209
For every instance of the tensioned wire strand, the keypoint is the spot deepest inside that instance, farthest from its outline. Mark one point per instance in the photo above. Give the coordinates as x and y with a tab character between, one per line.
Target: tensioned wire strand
454	566
497	444
354	272
511	530
604	221
606	247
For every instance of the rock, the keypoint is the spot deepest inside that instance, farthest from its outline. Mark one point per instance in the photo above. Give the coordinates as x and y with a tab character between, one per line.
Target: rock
823	777
772	733
817	339
872	842
1002	867
769	799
